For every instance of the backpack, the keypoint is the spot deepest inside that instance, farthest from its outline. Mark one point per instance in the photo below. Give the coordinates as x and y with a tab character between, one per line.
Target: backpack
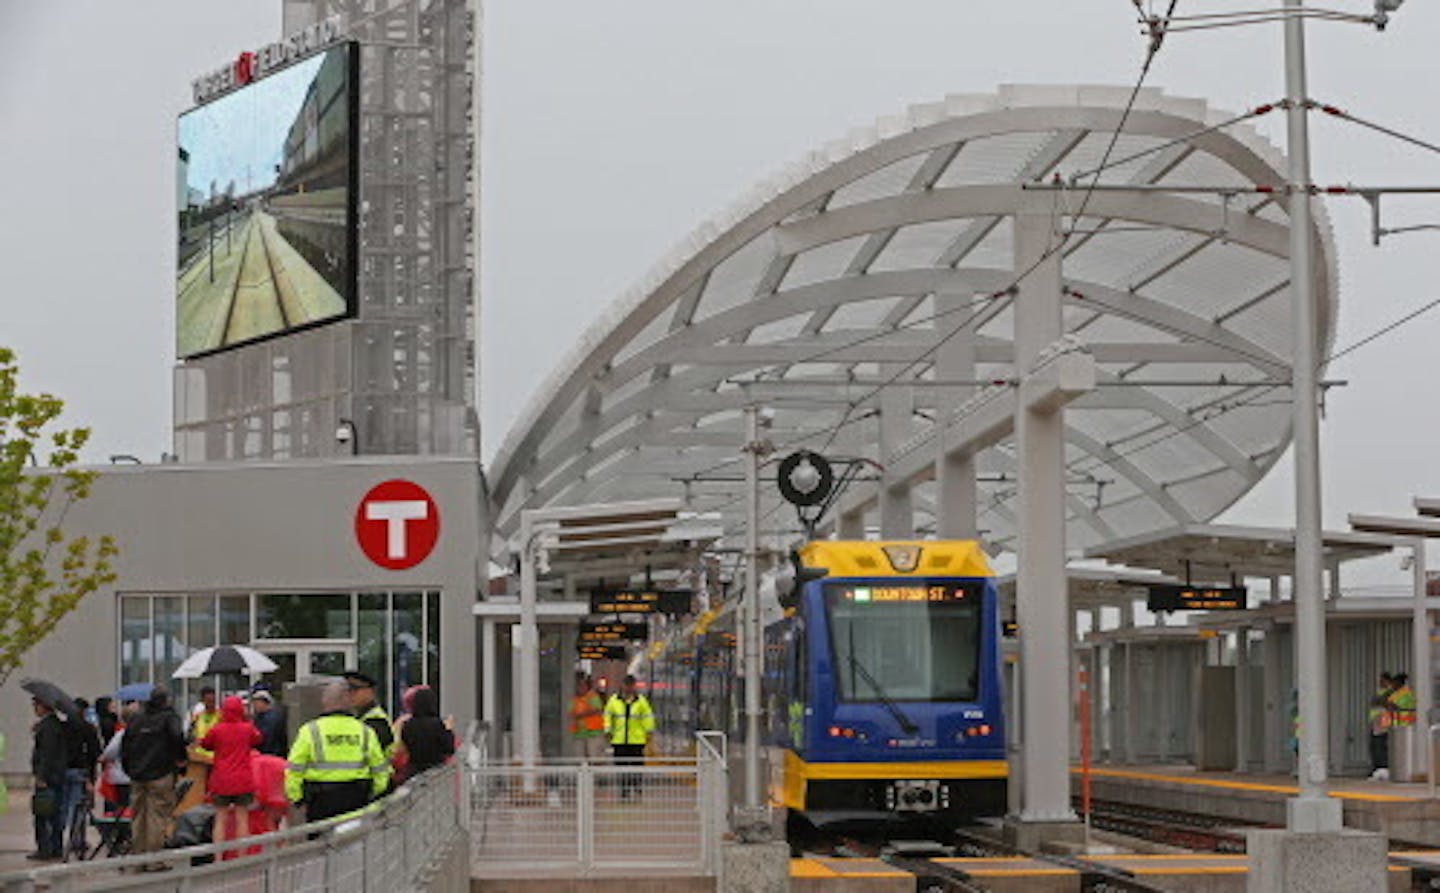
146	747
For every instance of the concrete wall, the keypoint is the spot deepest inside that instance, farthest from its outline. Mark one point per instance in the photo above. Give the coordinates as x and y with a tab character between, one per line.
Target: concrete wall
256	527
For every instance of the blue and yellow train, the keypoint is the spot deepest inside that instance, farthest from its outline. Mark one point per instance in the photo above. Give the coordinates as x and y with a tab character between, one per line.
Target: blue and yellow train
882	684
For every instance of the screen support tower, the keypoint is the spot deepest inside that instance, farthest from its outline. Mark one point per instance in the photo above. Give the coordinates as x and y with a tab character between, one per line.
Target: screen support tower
403	372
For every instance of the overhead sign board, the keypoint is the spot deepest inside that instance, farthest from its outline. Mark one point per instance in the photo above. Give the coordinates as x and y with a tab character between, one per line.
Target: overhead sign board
1173	597
593	633
254	64
601	652
641	601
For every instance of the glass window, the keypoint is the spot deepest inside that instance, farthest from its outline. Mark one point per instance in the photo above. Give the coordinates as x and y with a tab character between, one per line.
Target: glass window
201	622
911	641
134	639
372	640
169	639
432	641
409	667
234	620
317	616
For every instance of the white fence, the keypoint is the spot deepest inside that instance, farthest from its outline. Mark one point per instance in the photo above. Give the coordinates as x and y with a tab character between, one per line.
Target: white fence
575	819
406	842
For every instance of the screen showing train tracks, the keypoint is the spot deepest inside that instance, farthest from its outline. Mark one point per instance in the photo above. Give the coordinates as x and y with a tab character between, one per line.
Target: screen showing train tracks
266	206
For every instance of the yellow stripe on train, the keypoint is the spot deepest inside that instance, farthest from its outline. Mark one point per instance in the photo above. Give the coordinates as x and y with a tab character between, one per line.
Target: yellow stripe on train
897	558
796	773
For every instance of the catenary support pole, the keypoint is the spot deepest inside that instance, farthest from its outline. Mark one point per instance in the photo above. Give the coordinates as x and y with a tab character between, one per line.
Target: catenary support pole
1313	810
750	640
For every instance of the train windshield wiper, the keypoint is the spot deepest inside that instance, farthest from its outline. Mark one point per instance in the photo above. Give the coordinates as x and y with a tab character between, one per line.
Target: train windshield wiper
906	723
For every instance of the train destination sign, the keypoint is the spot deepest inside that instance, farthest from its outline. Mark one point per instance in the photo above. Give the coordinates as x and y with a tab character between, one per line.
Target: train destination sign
1172	597
592	633
601	652
641	601
891	593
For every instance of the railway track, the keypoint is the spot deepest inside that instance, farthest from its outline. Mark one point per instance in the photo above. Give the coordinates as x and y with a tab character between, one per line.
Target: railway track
1185	830
932	876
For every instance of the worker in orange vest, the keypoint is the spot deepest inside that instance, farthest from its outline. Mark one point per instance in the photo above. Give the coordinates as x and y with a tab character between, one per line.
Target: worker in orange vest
587	720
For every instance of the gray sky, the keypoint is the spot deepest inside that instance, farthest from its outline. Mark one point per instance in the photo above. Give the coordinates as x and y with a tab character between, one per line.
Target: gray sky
612	129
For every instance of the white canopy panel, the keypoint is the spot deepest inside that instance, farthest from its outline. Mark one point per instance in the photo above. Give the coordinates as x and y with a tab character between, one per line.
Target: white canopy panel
848	269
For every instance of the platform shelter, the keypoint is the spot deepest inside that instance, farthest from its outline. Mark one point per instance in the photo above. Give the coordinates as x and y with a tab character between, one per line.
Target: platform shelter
1216	688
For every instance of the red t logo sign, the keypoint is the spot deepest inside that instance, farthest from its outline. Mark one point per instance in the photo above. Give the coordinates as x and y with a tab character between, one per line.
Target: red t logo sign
397	524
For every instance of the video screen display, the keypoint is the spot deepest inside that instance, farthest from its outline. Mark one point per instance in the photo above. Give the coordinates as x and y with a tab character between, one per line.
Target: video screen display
267	182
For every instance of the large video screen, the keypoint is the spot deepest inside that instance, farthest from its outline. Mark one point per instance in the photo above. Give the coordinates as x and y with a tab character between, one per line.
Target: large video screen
267	183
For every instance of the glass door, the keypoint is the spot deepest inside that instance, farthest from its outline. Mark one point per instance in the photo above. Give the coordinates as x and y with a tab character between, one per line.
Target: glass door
296	661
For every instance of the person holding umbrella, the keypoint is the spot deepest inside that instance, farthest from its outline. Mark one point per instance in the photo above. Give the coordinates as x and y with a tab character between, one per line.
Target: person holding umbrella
48	762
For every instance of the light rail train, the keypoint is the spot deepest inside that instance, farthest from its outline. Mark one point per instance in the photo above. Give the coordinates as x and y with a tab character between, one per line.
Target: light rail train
882	684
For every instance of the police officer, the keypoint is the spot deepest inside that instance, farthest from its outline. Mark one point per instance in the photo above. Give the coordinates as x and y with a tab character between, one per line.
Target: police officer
336	764
629	722
362	704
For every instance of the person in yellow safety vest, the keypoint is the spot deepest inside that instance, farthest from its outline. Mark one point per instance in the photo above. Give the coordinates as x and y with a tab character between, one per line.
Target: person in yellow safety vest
628	724
362	703
1402	702
1380	728
336	764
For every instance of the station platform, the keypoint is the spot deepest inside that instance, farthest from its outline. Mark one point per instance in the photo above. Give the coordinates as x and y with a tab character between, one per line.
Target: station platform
1183	873
1403	812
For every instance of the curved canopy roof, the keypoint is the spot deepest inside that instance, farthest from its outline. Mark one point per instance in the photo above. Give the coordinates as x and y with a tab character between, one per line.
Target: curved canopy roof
847	269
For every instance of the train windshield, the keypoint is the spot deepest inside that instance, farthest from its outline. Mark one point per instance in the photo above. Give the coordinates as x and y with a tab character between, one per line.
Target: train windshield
905	640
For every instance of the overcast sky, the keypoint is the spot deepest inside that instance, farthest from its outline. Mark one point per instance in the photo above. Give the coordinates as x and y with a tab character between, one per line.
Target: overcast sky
612	129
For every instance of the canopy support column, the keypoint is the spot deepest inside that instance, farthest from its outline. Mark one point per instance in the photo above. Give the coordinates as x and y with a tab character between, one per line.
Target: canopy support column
1041	584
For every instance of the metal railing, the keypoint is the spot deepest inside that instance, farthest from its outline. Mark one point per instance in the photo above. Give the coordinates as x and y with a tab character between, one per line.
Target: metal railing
395	845
568	818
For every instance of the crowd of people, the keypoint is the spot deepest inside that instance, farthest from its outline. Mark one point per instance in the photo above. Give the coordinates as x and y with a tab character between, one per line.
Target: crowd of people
134	755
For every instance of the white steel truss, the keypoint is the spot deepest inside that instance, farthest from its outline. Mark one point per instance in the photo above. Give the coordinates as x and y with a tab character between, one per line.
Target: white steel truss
822	285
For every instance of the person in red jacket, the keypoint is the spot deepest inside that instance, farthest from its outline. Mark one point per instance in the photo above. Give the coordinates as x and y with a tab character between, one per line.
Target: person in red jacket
232	778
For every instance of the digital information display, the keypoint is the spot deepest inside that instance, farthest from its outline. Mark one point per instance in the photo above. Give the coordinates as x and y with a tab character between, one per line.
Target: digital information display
891	593
601	652
1172	597
592	633
641	601
265	212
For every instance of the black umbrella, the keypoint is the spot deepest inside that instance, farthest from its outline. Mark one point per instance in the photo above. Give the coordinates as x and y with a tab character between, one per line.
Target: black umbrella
51	695
223	659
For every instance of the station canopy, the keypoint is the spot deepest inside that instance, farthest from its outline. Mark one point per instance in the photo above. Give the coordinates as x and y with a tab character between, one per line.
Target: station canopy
847	270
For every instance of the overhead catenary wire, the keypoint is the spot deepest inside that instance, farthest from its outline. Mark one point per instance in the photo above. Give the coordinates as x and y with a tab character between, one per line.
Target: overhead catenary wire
1229	403
1151	50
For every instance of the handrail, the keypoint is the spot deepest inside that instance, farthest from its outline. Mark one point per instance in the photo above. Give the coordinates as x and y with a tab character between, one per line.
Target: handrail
255	848
706	737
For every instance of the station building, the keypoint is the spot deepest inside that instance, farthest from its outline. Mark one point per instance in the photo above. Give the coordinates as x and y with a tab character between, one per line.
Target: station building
267	555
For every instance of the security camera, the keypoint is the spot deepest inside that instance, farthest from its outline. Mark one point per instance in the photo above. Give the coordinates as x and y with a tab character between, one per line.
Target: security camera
343	433
767	417
1383	8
